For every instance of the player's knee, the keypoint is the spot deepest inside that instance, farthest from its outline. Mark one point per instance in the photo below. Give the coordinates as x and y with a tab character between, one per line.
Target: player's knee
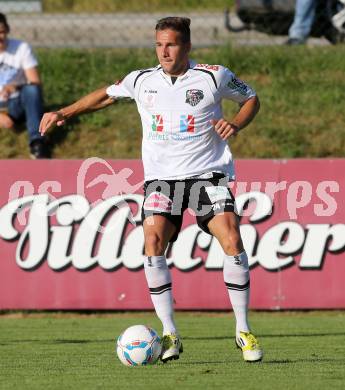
154	245
232	244
31	90
6	121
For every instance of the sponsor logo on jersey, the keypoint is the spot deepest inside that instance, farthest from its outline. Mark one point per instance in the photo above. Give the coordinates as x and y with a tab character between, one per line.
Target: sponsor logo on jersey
237	260
238	85
218	193
208	67
157	123
157	201
187	124
194	96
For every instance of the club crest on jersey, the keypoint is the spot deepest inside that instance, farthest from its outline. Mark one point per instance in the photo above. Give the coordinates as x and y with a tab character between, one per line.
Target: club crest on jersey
149	100
187	123
157	123
194	96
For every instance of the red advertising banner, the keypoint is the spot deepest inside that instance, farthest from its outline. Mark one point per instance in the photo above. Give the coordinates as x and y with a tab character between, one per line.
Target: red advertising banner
71	237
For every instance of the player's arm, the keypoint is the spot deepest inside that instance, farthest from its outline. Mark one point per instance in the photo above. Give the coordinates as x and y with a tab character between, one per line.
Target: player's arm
244	116
92	102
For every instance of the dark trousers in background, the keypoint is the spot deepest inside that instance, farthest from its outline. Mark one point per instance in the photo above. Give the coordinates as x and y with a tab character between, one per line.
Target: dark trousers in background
27	106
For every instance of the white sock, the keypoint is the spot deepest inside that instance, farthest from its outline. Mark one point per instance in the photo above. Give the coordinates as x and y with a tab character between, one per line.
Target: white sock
159	282
236	278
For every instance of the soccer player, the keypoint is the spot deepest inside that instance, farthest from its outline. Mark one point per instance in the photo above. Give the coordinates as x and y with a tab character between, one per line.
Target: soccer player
187	163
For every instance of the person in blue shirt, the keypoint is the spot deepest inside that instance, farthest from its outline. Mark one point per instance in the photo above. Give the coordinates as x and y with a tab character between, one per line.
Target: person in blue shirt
20	89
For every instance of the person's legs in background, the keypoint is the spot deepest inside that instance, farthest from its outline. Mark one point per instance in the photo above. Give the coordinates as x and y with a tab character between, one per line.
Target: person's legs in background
32	102
303	21
29	106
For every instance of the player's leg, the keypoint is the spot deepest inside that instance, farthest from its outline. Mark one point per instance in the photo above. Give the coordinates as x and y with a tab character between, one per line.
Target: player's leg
225	227
158	231
235	269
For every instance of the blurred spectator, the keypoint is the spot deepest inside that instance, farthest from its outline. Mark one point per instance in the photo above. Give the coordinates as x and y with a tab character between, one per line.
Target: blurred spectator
20	89
302	23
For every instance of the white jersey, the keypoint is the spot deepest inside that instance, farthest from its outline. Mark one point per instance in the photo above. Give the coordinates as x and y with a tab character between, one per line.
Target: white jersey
179	140
17	57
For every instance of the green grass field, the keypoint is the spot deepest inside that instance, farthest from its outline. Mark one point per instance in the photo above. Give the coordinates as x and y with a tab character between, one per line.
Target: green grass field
303	350
135	6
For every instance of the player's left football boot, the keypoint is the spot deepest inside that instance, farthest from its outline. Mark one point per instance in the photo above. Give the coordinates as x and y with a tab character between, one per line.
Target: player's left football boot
247	342
171	347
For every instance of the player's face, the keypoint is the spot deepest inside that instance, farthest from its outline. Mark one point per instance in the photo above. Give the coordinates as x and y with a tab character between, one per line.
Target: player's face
172	53
3	36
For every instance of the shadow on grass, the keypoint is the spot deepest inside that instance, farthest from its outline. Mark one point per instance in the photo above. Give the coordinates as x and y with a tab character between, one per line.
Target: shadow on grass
264	361
201	363
58	341
305	360
210	338
71	341
57	135
268	335
311	334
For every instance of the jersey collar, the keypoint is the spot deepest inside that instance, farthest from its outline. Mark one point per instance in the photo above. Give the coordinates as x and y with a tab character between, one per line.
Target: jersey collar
185	76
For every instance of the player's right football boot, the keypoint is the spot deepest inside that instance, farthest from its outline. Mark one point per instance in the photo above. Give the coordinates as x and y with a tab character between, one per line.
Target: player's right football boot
250	347
171	347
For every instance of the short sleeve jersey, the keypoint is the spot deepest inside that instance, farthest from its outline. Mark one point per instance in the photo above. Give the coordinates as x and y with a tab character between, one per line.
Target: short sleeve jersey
179	140
17	57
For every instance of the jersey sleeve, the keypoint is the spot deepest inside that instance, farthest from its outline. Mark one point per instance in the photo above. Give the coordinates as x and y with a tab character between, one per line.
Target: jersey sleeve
28	59
233	88
123	88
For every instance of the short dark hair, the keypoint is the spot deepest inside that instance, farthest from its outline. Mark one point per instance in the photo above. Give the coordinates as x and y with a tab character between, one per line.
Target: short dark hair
176	23
3	20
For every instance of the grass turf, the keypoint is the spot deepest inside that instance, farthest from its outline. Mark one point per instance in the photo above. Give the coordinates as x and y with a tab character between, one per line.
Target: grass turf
101	6
70	351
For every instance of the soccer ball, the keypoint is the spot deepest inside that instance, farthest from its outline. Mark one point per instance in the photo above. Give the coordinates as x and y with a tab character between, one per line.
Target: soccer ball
138	345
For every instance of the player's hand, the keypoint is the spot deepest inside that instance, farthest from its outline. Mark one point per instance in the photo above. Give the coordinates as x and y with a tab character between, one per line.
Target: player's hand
7	90
50	120
224	128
